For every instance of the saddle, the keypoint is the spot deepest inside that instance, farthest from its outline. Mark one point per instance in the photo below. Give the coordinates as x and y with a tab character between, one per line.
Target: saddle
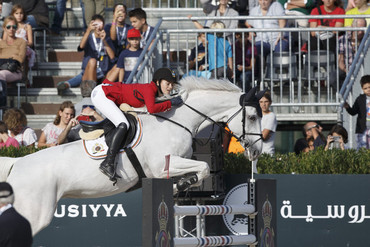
94	130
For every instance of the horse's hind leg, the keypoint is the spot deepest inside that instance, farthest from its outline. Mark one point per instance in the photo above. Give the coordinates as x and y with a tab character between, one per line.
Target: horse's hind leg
181	166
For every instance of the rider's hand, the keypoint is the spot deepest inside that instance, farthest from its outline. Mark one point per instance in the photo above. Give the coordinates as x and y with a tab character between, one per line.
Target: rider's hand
176	101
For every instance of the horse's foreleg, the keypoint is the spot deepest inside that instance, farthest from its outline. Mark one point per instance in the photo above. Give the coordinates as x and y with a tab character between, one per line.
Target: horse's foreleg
181	166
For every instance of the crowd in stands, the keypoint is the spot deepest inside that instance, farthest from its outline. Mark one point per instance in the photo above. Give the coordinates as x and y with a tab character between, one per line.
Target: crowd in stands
112	47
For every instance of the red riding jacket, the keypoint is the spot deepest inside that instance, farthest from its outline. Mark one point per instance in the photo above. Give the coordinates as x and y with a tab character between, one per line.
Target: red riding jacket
136	95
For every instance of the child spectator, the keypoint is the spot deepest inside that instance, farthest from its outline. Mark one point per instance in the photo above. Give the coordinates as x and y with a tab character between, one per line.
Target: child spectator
16	121
197	58
5	139
138	21
63	122
98	55
243	70
361	107
217	61
118	29
129	57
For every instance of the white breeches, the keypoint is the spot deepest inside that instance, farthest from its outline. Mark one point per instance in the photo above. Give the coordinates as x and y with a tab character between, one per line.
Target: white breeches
108	107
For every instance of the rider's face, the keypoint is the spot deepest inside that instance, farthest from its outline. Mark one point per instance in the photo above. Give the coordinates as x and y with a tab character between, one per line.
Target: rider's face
166	86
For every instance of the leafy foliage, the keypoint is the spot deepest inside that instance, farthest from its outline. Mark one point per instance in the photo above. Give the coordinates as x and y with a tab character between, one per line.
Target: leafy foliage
334	161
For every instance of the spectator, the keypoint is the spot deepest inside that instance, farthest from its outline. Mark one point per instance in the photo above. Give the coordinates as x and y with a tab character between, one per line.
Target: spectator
64	120
93	7
314	130
348	44
301	145
337	137
267	40
297	8
24	31
37	12
309	130
243	70
268	125
217	62
127	59
98	55
362	8
138	21
325	7
12	49
16	121
60	9
361	108
198	57
224	10
15	230
304	146
5	139
118	28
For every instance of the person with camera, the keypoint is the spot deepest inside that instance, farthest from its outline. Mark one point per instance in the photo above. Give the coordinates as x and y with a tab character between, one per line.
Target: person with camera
337	137
12	55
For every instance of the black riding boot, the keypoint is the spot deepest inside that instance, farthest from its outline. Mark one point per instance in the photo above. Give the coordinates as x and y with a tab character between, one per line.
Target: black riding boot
108	166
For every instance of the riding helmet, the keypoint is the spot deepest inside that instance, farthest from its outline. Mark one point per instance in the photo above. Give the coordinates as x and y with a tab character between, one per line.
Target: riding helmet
166	74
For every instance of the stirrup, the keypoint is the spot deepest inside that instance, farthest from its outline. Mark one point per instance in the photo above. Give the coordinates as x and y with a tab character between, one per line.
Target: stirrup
112	177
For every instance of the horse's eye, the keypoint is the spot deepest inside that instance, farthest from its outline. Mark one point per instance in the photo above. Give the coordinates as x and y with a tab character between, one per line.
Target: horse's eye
252	118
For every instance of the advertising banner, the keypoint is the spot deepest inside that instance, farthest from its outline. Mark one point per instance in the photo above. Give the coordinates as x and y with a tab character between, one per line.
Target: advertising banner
322	210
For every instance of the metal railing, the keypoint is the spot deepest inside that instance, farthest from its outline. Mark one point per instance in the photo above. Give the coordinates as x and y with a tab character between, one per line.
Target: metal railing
314	87
159	3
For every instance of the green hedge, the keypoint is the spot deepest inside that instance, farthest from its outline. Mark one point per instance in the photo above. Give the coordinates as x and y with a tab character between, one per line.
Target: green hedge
349	161
318	162
17	152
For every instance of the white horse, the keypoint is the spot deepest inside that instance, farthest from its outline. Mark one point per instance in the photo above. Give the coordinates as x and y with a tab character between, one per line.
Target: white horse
41	179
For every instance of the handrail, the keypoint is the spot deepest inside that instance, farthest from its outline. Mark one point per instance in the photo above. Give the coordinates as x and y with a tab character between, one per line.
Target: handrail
140	61
353	70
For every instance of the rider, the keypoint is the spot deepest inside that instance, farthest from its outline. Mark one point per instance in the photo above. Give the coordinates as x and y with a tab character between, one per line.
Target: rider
109	95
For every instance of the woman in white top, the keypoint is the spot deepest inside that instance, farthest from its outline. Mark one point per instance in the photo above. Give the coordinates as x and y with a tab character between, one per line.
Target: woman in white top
63	123
268	125
16	121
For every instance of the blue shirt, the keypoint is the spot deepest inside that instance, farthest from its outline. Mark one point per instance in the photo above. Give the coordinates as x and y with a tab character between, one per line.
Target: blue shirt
127	61
221	47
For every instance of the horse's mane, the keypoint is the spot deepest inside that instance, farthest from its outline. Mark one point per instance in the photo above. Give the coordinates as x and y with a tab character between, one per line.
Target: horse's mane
191	83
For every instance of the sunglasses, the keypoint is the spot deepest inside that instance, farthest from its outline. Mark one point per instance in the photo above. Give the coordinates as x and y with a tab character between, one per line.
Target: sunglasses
11	26
315	126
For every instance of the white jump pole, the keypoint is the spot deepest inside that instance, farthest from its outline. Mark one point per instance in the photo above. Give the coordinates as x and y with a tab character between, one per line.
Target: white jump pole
214	210
215	241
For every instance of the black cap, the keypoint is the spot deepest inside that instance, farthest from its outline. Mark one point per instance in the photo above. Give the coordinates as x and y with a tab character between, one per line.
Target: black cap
165	73
4	186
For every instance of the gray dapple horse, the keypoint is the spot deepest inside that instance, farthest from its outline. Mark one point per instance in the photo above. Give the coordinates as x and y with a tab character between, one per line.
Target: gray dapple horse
41	179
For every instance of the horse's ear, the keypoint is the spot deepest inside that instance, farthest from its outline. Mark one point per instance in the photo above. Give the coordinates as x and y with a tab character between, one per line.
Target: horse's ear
250	95
260	94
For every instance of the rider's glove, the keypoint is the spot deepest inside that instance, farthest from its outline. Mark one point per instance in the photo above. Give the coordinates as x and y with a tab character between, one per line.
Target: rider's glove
176	101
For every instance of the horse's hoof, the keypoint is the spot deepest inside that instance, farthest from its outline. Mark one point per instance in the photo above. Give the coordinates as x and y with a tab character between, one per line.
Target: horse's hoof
185	183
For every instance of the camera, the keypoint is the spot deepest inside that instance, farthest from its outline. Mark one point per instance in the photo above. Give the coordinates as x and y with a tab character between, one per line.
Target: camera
336	142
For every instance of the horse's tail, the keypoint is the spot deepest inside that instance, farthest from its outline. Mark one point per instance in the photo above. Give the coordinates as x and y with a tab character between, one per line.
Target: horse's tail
6	165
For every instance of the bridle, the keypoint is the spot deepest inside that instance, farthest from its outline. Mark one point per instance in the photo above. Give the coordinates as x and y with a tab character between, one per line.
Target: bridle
222	126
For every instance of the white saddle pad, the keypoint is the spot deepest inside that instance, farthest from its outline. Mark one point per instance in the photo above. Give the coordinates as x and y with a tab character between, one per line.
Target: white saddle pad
97	148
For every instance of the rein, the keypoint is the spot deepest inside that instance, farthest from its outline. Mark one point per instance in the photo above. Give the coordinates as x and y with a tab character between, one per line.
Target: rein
222	126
